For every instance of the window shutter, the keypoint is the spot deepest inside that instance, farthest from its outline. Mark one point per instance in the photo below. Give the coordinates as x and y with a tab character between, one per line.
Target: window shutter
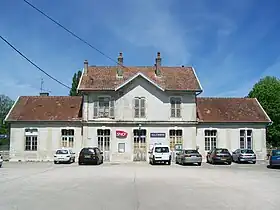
142	107
112	109
95	109
136	108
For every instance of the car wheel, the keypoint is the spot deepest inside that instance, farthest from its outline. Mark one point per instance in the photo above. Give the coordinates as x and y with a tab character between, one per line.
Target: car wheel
80	163
207	160
254	162
102	160
229	163
74	160
199	164
169	162
55	162
238	161
176	161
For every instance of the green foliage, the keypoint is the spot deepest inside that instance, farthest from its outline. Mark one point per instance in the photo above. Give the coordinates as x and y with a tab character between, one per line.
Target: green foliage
5	105
267	91
75	82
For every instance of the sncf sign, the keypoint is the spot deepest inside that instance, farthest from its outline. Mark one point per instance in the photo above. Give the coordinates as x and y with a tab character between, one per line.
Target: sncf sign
121	134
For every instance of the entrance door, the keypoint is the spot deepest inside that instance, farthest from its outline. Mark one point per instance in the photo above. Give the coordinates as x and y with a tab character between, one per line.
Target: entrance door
176	141
103	140
139	145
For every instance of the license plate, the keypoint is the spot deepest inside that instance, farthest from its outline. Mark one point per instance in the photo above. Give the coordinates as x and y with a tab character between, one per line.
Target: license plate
223	158
87	156
278	158
193	156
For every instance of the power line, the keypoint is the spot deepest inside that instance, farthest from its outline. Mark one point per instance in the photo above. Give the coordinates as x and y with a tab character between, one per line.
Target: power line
14	48
70	32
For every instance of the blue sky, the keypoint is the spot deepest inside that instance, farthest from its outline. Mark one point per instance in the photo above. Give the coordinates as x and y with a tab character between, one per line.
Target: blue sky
231	44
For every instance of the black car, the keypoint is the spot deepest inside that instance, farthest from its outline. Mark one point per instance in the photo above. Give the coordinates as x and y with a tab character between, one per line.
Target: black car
91	155
219	155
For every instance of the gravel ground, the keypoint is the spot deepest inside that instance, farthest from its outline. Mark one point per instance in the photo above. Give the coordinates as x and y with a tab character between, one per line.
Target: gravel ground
45	186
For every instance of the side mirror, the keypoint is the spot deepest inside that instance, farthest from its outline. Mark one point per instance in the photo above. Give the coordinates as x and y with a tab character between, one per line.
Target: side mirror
101	153
73	153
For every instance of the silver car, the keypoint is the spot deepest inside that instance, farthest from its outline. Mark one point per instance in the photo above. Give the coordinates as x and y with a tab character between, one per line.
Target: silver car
244	155
188	156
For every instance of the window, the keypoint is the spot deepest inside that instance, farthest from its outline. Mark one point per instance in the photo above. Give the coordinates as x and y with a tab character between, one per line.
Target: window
31	139
176	137
104	108
121	147
67	137
62	152
103	139
31	143
210	139
175	107
161	150
139	107
246	139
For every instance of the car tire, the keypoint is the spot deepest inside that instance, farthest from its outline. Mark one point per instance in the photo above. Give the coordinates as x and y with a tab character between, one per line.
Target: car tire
74	160
176	161
80	163
169	162
254	162
207	161
238	161
229	163
55	162
102	160
199	164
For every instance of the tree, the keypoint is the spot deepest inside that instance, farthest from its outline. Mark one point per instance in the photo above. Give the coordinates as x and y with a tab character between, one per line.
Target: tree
5	105
75	82
267	91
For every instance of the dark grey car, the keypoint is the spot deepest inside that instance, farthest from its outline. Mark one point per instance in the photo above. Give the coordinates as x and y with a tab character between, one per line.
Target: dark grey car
244	155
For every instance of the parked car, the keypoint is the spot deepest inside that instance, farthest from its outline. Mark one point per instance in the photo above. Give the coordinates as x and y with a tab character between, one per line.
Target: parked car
91	155
186	156
244	155
159	154
1	160
274	159
64	155
219	155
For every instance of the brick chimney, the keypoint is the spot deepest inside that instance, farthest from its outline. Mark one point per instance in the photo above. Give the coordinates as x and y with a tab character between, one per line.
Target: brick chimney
120	65
158	64
85	67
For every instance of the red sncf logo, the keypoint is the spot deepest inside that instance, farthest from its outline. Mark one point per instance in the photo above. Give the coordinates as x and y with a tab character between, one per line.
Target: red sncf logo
121	134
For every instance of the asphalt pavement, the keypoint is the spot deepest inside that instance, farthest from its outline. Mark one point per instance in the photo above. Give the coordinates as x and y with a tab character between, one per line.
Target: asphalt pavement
44	186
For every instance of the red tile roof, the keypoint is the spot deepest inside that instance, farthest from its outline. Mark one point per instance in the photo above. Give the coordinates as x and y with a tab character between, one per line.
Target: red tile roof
46	108
230	110
172	78
67	108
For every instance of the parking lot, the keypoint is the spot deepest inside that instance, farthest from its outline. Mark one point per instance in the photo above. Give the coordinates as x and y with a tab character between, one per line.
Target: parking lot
43	186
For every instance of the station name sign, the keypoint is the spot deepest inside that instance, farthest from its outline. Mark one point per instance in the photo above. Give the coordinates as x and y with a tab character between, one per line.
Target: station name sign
157	135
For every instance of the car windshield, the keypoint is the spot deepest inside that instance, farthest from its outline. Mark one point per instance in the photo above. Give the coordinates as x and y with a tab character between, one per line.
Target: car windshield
190	151
222	151
276	153
62	152
161	149
247	151
88	151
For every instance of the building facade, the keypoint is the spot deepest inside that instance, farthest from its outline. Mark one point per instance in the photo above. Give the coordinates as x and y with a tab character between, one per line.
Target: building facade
126	110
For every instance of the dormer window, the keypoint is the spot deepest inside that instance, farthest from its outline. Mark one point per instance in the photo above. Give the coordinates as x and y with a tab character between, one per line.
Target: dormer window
104	107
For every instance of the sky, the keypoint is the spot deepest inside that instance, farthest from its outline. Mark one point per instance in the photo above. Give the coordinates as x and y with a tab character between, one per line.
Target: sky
231	44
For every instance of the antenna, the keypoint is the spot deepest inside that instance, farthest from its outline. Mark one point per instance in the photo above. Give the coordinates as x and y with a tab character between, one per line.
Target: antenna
42	90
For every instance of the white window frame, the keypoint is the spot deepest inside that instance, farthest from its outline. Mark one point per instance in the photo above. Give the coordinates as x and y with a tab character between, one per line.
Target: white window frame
141	110
104	111
31	134
245	138
210	141
177	106
104	141
177	138
67	140
121	147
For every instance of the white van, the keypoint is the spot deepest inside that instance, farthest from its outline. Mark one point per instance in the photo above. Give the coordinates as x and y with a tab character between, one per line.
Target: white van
160	153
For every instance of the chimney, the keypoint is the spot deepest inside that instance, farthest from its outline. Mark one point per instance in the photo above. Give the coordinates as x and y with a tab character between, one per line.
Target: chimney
120	65
158	64
44	94
85	67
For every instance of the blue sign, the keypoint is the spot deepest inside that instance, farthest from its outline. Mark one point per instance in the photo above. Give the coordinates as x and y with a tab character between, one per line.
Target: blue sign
3	136
157	135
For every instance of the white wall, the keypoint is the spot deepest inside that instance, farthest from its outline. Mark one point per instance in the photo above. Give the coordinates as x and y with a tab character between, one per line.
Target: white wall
49	139
157	102
90	138
228	136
